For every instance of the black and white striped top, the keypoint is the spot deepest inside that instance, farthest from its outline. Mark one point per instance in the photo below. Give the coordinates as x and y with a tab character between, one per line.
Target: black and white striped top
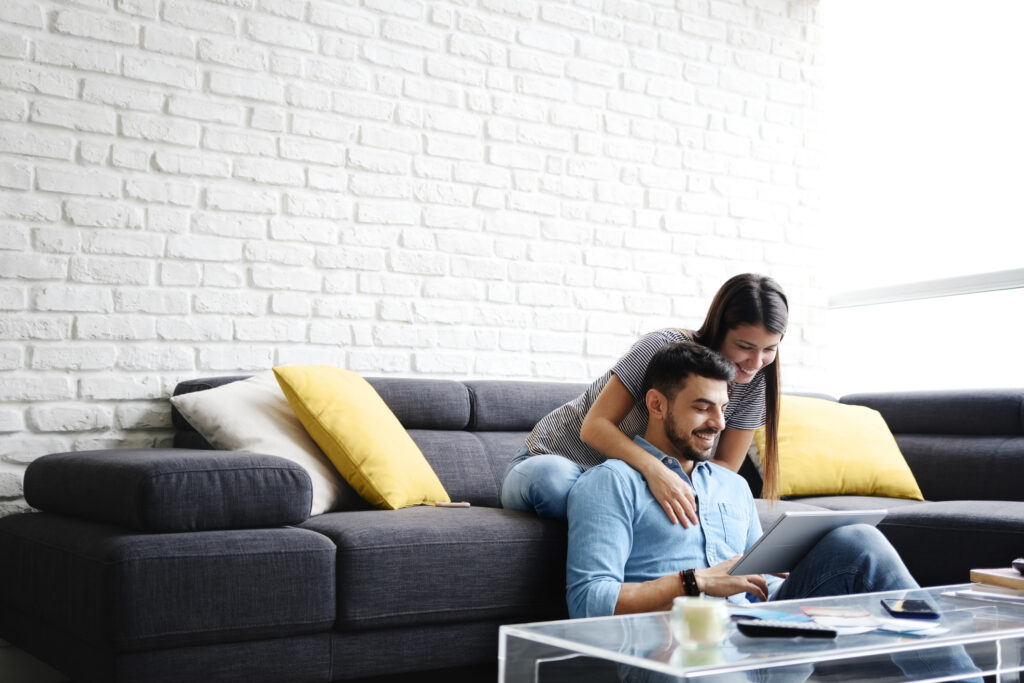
558	432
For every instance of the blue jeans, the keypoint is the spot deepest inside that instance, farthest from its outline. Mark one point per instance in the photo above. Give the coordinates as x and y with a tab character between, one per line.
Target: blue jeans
539	482
852	559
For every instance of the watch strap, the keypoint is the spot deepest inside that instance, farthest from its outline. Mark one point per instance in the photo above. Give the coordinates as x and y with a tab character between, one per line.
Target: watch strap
689	582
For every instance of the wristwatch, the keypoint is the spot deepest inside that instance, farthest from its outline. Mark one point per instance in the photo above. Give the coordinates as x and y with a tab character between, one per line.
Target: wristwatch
689	582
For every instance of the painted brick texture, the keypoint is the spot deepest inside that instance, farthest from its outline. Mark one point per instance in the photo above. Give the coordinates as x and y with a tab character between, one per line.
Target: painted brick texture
480	188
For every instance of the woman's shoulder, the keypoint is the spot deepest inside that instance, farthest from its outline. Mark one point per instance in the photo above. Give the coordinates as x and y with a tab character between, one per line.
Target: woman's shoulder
651	342
668	335
750	393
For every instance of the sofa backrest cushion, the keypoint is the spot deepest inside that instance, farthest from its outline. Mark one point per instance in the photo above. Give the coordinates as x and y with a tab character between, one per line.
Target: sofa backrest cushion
500	405
979	412
468	431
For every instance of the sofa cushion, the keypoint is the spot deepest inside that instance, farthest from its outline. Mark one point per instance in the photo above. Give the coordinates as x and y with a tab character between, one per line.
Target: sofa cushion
950	467
425	403
444	565
503	405
100	585
981	412
459	460
941	542
828	448
165	490
361	436
856	502
254	416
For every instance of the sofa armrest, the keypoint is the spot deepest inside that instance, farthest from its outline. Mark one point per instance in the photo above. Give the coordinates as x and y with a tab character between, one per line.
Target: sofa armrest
171	490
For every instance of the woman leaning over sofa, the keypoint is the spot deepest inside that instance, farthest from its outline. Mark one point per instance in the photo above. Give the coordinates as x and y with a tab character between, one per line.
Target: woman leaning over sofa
745	323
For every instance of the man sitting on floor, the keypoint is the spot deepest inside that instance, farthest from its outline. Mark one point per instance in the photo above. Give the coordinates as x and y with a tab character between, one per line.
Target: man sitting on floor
626	556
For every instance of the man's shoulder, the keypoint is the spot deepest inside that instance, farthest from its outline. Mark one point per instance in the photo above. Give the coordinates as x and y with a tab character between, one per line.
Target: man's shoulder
615	468
611	472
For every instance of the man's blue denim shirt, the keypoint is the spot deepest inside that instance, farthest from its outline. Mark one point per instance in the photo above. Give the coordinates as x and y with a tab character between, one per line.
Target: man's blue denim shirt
619	533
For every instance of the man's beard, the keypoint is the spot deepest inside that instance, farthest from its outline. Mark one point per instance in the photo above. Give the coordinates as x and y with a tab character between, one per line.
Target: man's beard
683	445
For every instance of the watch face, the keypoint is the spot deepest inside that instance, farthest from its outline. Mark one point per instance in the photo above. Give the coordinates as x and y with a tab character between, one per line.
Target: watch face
689	582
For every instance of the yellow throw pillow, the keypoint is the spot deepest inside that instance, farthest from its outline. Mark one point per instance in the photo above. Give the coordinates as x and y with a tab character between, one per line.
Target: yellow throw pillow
360	436
830	448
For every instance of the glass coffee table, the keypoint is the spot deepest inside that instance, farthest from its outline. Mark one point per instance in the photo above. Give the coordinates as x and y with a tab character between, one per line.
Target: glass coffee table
640	647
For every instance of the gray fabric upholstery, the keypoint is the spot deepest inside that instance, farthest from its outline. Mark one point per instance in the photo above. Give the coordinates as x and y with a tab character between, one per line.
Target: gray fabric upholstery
127	591
160	490
295	659
470	465
460	461
966	467
356	654
941	542
992	412
856	502
516	406
191	440
427	565
434	404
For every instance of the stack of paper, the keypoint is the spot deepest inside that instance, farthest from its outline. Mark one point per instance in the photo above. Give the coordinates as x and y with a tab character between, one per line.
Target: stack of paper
1002	584
1004	577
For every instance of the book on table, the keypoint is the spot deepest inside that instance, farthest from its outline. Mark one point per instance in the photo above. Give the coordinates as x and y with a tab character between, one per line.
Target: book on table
1007	577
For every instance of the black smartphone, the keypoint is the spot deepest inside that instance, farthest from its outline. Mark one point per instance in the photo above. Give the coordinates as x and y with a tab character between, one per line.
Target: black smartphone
914	609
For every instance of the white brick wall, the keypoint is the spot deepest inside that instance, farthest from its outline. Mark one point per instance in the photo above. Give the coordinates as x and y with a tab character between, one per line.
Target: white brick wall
471	188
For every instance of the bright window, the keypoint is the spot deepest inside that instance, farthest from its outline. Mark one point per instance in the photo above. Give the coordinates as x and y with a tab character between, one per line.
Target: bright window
924	175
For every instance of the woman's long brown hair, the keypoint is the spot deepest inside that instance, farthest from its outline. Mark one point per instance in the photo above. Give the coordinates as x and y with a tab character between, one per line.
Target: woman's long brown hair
751	299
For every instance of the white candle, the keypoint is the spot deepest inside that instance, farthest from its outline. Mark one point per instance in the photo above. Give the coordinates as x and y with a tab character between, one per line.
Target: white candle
700	621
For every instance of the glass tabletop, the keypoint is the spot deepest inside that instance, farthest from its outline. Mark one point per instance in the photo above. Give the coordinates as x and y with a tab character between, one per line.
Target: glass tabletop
646	640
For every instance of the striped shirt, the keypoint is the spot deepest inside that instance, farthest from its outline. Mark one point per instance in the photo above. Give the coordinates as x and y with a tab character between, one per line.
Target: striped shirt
559	431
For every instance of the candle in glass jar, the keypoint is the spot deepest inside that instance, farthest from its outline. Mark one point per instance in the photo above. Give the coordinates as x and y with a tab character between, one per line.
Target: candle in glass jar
701	621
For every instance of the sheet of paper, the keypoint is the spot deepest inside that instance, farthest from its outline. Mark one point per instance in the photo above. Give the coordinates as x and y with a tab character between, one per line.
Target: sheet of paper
907	625
825	611
762	613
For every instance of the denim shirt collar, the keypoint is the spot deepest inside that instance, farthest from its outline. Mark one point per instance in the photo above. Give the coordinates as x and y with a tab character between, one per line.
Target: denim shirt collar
672	463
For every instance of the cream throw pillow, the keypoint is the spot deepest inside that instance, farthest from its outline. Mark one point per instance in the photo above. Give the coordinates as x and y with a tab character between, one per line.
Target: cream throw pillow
361	436
253	415
830	448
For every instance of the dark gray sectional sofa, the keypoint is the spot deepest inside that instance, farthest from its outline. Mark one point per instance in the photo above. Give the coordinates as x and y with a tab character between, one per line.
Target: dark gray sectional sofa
189	564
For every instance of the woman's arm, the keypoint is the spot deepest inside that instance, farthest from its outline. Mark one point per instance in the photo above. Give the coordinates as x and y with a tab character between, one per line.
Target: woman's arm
733	445
601	432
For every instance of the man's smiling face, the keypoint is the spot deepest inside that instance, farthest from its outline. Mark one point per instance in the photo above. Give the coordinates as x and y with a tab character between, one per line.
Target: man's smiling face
695	416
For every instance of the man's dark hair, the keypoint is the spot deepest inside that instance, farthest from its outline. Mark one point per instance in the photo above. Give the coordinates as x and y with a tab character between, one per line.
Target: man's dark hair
672	364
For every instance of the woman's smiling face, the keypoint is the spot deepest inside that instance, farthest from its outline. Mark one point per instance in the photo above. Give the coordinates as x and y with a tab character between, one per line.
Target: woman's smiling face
750	348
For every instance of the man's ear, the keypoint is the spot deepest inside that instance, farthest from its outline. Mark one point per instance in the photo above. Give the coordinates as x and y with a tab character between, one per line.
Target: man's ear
657	403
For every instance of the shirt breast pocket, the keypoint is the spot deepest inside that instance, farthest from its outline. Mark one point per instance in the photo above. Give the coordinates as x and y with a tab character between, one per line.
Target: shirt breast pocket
735	521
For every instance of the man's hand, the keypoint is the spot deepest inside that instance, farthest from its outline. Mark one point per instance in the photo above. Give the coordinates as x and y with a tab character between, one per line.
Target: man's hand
673	493
717	582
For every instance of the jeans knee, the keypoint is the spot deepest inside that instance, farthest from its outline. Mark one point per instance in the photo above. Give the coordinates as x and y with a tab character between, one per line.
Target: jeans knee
857	543
864	546
857	538
553	473
541	483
